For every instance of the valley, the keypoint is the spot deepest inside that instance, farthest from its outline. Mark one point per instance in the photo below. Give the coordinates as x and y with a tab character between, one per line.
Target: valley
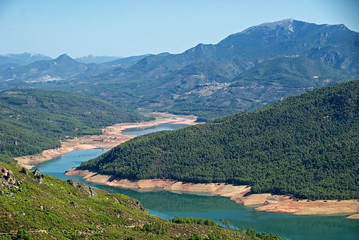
261	128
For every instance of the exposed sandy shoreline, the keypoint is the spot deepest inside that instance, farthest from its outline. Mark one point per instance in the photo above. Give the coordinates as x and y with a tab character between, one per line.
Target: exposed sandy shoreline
111	137
354	216
268	202
221	189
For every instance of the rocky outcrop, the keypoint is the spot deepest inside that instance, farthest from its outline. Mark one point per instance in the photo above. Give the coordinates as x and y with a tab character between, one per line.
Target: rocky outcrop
83	187
38	175
119	213
24	171
7	175
8	182
136	204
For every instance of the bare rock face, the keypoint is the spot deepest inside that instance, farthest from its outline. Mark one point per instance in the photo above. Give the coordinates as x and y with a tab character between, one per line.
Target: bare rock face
7	175
83	187
3	171
140	207
137	205
24	171
10	178
38	175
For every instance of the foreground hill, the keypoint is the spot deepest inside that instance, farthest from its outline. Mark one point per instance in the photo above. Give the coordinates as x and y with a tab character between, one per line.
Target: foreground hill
32	120
306	146
34	206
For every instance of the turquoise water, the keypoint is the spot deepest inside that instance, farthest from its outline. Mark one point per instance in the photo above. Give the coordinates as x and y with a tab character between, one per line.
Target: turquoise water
167	205
160	127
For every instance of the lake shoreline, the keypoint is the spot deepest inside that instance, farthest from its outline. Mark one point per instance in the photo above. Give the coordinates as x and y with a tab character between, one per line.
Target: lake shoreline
111	137
238	194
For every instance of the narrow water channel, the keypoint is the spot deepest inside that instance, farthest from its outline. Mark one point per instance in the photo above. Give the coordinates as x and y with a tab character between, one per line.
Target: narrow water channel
168	204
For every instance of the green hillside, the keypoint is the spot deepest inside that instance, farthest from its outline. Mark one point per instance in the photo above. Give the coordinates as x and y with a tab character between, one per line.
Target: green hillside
34	206
32	120
306	146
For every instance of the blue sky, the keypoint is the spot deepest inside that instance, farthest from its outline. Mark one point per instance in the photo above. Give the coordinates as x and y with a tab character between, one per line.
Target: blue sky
135	27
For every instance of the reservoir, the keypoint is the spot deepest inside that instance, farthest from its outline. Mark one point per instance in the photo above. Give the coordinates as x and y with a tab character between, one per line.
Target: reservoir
168	204
160	127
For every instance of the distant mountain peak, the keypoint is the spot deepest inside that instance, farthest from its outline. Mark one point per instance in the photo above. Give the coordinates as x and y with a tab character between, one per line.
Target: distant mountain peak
289	24
64	57
22	58
285	23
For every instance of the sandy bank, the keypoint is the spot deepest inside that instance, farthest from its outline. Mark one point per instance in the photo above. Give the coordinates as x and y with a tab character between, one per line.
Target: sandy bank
268	202
354	216
111	137
307	207
221	189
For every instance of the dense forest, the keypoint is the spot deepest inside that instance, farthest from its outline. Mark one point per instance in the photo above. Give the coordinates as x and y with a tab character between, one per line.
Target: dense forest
32	120
73	210
305	146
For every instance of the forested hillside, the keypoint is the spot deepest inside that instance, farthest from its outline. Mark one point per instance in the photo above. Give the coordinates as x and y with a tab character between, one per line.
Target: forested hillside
32	120
306	146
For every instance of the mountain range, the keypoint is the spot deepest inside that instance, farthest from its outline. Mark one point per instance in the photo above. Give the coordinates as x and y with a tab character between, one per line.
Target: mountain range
22	58
27	58
63	68
244	71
